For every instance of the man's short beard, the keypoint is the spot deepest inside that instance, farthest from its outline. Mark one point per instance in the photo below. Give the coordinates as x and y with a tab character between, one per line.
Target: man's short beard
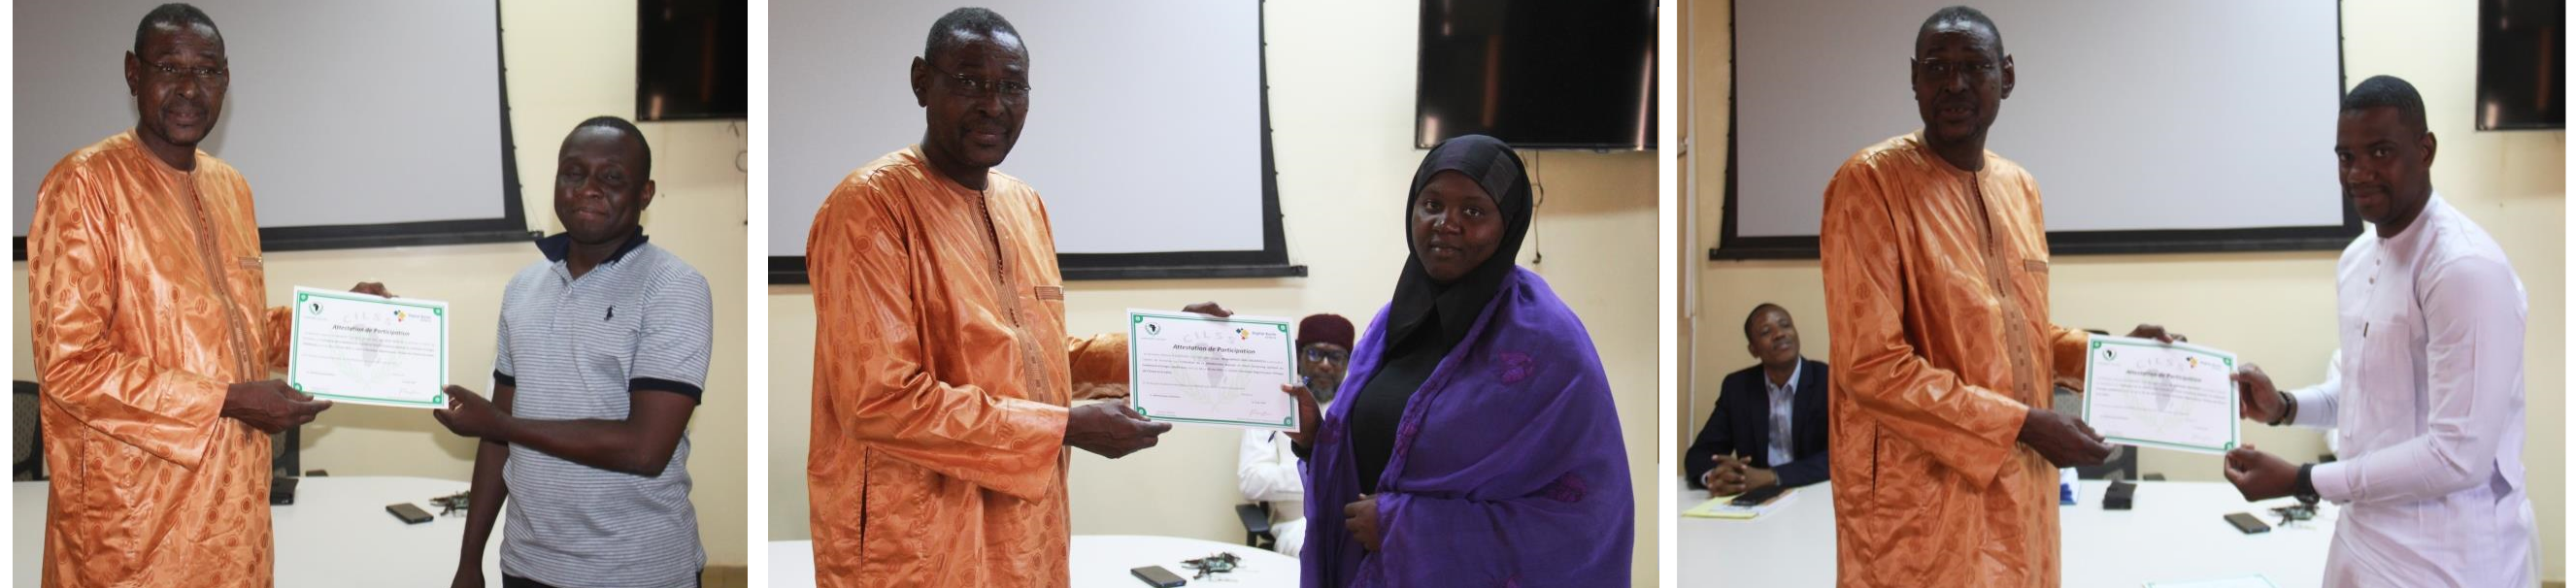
1323	392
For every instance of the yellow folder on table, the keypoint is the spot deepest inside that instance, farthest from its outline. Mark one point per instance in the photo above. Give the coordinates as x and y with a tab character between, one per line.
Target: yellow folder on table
1722	508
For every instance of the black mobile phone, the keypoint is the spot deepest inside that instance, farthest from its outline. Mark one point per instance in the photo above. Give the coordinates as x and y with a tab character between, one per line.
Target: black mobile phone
2120	496
1757	496
281	491
1157	576
408	513
2247	523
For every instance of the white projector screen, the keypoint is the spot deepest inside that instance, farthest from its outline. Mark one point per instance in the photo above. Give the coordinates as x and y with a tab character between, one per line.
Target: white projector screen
1139	109
359	123
2196	125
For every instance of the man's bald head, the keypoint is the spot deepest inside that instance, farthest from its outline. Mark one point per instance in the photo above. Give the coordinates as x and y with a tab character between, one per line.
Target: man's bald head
1964	16
961	24
175	15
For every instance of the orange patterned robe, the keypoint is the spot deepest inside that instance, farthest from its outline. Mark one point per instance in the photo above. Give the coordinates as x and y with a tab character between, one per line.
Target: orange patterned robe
942	374
146	289
1936	291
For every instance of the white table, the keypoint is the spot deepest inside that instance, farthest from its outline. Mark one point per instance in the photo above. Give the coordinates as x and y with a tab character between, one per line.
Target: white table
1100	561
336	534
2176	533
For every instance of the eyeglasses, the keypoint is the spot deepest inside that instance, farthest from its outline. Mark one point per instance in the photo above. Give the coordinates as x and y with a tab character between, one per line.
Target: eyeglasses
965	86
1943	70
212	76
1320	354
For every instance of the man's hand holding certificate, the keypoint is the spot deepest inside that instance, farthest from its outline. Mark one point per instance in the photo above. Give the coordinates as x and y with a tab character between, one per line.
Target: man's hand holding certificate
2147	393
1198	368
367	349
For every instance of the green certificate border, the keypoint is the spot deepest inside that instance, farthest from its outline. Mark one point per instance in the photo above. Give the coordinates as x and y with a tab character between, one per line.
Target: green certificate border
2235	430
1136	399
295	340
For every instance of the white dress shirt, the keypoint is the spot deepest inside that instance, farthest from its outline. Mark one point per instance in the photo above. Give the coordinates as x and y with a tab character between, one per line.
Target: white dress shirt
1267	470
1783	399
2427	407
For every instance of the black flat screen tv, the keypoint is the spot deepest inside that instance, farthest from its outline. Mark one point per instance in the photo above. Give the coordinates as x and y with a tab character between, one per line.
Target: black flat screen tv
1546	74
2522	56
692	59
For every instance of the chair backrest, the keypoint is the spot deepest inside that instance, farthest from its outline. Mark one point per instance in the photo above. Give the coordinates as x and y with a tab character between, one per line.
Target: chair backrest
285	450
26	439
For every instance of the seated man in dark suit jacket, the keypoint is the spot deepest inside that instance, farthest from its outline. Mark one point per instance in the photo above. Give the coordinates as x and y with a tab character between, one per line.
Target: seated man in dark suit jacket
1743	445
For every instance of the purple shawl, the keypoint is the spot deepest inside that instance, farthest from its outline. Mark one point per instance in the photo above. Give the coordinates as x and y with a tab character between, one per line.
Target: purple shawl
1508	468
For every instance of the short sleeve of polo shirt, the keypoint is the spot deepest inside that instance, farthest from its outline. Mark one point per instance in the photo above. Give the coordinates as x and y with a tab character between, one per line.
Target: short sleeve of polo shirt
677	338
502	373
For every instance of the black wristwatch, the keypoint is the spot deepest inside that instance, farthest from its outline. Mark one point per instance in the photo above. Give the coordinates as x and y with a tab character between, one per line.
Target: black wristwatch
2289	409
2305	487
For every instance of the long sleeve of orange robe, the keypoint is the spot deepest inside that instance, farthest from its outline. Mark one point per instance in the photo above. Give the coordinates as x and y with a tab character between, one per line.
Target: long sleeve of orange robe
941	379
145	285
1936	285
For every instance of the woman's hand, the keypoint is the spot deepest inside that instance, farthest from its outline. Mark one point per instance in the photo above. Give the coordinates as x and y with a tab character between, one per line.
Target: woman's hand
1362	521
1309	415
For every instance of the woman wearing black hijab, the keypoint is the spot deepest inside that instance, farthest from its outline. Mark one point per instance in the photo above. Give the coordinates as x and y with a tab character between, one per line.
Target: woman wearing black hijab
1478	444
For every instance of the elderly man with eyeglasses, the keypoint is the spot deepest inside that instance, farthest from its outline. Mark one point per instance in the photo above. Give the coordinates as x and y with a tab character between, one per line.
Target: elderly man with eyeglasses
1936	298
145	291
1266	467
945	387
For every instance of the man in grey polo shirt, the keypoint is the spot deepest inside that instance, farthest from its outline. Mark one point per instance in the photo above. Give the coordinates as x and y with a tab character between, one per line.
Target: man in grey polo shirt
603	349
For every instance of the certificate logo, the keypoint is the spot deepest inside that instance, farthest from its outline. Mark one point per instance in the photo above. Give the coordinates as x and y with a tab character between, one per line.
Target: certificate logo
314	309
1153	329
2109	355
1243	333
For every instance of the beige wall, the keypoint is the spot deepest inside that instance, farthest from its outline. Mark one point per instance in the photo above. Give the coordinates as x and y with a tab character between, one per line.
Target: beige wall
567	61
1341	75
2275	309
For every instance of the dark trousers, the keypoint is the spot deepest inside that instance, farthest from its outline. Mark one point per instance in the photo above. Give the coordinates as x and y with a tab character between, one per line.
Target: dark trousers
510	581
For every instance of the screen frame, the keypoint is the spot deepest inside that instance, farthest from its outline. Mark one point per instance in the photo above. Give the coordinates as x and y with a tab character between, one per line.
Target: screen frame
1271	261
1733	246
512	226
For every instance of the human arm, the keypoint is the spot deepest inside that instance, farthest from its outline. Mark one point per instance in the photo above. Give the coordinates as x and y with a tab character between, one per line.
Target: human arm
483	499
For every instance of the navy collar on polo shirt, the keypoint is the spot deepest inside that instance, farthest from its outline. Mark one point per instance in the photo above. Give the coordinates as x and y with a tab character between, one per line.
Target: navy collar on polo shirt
560	245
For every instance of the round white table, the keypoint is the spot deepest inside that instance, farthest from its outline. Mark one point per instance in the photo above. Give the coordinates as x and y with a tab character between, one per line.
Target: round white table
336	534
1100	561
2175	534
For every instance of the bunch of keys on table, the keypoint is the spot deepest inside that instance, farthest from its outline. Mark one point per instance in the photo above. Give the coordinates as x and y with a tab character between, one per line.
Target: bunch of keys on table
2305	510
453	505
1215	564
